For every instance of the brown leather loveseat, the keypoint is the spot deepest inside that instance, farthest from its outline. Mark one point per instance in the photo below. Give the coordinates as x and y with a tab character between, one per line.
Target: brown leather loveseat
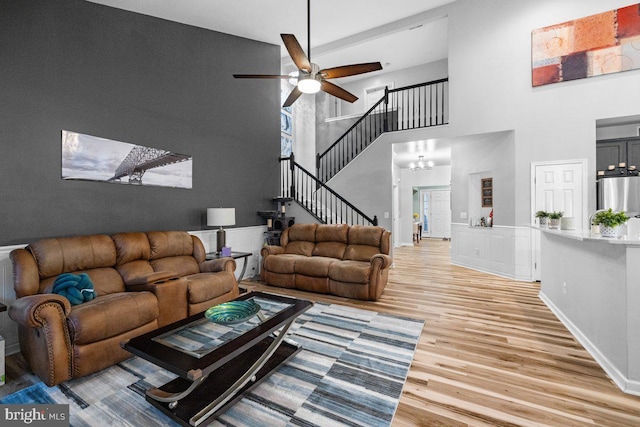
141	281
347	261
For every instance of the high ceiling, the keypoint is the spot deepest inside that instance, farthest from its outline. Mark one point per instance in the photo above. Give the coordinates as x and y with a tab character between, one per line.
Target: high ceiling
399	34
342	32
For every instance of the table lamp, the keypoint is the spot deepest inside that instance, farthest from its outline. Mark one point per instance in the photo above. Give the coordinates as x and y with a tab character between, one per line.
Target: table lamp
219	217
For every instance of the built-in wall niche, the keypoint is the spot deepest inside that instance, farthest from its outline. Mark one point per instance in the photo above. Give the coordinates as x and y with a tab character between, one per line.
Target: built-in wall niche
480	203
486	190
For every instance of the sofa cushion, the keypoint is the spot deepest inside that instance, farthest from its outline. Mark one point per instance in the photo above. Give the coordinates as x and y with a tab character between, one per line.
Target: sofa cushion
299	248
302	232
332	233
331	240
71	254
169	243
105	281
131	247
207	286
365	235
364	242
360	252
111	315
284	263
350	271
315	266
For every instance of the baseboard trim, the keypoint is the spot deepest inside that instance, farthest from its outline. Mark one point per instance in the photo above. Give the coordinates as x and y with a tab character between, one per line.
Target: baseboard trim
494	273
625	384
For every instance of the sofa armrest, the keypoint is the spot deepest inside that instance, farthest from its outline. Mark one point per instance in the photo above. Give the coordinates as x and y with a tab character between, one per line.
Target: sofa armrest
380	264
47	350
33	311
172	298
381	261
220	264
271	250
155	277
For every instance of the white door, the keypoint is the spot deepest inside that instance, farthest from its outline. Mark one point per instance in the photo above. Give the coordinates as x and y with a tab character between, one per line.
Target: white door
557	187
425	215
440	210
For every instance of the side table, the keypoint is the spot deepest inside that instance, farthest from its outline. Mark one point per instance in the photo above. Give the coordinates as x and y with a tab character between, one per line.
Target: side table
234	255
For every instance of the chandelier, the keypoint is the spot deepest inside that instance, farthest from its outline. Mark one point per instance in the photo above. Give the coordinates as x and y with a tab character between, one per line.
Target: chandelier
421	165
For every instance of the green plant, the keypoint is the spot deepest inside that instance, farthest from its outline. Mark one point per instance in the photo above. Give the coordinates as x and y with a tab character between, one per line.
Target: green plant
555	215
541	214
609	218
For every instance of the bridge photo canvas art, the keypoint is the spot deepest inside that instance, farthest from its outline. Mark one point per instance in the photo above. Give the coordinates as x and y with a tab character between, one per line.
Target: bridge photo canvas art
91	158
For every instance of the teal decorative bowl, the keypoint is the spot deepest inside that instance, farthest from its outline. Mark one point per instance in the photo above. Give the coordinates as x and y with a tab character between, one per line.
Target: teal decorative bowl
232	312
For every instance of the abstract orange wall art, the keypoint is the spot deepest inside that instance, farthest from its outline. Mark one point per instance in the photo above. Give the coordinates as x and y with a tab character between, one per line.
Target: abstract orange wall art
599	44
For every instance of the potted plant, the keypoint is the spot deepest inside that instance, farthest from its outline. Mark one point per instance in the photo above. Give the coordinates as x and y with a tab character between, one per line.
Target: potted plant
554	219
542	218
610	222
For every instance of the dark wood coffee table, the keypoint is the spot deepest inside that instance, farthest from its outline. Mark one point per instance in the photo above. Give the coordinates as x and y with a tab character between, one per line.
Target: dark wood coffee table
217	364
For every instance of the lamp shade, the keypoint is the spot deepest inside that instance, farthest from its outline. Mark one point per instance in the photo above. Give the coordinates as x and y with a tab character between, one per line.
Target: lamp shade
218	217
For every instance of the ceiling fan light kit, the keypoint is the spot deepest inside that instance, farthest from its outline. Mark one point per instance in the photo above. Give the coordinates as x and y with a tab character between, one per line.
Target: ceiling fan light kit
309	85
311	79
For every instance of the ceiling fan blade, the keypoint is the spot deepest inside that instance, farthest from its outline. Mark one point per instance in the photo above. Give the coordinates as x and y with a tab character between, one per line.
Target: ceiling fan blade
296	53
350	70
259	76
337	91
295	94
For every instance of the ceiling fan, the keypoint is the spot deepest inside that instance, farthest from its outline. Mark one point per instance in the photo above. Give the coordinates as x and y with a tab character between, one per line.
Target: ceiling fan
311	78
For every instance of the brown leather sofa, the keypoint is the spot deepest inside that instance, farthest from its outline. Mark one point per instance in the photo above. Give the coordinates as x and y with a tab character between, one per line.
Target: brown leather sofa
141	281
347	261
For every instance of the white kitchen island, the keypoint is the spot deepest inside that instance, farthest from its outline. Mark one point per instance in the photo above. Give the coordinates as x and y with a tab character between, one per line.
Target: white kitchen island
592	284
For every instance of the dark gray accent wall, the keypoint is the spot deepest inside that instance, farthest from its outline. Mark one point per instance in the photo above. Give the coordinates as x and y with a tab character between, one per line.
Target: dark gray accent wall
74	65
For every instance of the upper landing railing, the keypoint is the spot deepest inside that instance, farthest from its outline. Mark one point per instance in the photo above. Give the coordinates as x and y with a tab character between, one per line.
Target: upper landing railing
412	107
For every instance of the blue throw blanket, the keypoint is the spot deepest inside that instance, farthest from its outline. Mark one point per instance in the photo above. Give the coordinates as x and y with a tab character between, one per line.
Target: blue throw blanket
76	288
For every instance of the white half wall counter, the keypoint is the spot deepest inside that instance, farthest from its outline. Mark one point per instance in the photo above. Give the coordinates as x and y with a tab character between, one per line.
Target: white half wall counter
592	284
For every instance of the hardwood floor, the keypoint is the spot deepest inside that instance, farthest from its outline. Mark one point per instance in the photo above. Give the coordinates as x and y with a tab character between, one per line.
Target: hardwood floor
491	353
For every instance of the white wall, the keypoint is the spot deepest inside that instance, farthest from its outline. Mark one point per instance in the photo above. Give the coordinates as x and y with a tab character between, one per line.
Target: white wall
366	182
489	69
304	130
409	76
490	74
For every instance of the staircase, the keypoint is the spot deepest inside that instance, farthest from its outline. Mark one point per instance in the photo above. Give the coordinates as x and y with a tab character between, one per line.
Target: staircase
412	107
317	198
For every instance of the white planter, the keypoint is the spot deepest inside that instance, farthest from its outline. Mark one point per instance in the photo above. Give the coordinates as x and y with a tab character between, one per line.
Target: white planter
606	231
554	223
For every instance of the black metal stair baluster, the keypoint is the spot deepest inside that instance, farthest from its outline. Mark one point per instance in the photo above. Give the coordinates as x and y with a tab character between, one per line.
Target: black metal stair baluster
413	109
430	105
437	104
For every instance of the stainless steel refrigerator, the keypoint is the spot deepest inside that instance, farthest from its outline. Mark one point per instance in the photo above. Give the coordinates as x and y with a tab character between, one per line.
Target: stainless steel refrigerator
620	194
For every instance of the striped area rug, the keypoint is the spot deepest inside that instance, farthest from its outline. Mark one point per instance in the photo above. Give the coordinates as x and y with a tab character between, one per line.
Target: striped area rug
350	373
